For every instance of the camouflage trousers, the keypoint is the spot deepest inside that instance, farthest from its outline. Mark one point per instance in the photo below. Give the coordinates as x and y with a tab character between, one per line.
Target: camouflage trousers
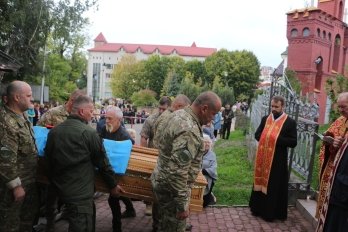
167	209
81	216
18	216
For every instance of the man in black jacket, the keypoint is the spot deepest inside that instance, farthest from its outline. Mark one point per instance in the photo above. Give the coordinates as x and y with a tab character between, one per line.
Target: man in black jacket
113	130
227	116
74	150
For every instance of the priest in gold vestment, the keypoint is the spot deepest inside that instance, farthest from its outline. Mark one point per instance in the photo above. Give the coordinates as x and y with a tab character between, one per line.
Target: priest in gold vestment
276	133
332	207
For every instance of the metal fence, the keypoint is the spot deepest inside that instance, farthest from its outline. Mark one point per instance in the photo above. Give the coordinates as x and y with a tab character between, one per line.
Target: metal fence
301	158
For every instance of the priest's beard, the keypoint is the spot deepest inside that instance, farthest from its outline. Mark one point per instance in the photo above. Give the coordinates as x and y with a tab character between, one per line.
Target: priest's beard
109	128
276	114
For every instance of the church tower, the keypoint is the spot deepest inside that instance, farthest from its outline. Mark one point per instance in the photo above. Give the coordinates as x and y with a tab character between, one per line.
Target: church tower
332	7
318	39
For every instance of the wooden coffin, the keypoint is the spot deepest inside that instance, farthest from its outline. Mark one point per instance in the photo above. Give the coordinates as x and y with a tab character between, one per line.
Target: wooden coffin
136	182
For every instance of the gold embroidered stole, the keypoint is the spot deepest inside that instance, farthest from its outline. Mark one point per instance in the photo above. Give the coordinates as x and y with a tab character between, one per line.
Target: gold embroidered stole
265	151
332	174
337	128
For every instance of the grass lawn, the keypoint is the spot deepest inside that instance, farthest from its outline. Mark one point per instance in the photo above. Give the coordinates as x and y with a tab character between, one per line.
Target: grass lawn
235	172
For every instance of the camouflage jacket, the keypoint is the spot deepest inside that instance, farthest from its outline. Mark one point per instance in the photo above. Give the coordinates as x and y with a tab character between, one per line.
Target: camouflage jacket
180	144
18	152
148	128
53	116
160	120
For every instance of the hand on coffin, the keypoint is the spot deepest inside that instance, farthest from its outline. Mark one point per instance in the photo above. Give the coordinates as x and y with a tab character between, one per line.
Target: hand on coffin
116	191
182	215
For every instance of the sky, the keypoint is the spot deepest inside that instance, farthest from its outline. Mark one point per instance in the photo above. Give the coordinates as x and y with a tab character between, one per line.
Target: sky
254	25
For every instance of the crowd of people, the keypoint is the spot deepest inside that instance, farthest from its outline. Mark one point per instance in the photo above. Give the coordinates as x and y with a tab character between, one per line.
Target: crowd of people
184	134
74	151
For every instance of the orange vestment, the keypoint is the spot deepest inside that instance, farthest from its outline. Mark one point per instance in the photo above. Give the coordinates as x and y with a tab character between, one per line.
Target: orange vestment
265	151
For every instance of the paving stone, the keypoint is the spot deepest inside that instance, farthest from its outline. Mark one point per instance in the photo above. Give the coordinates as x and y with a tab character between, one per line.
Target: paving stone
236	219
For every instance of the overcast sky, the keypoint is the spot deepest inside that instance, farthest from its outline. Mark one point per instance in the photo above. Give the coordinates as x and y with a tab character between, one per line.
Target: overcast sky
254	25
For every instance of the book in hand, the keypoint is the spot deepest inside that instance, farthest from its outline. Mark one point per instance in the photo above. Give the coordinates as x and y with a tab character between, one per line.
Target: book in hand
325	138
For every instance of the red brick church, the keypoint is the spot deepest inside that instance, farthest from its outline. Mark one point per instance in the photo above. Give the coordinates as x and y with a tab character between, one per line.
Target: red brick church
317	50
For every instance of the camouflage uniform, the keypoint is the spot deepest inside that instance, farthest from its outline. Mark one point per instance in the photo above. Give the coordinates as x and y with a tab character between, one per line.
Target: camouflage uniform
148	128
53	116
181	150
18	164
158	123
155	207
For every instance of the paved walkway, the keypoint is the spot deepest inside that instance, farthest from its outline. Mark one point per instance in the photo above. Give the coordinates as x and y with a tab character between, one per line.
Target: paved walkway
211	219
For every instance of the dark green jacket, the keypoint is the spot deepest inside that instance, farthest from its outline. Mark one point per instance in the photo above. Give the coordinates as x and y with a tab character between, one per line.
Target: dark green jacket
74	150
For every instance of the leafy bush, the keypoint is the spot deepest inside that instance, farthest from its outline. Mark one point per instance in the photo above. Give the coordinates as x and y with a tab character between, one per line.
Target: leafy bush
144	97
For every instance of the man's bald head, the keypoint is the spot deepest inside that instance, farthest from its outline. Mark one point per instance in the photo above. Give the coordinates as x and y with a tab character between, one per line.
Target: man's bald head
16	87
19	96
206	105
180	102
208	98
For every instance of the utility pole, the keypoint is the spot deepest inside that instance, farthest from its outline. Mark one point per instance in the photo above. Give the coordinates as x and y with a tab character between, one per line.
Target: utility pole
43	78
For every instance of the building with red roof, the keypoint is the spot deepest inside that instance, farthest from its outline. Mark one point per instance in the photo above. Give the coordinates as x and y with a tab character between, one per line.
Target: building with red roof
103	57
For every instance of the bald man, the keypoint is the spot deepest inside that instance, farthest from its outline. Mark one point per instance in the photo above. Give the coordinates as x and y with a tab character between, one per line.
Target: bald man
179	102
180	146
18	161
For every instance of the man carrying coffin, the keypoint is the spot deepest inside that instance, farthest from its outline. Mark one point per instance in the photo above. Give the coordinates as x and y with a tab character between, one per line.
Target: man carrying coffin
74	150
114	131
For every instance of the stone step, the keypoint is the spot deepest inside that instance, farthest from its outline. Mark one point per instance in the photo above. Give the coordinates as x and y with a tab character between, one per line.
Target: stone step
307	208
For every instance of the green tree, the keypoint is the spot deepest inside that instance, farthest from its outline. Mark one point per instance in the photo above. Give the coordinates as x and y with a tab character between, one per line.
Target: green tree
175	64
294	82
58	70
144	97
69	21
124	77
171	85
225	92
217	65
27	25
237	69
227	95
189	88
243	74
24	29
198	70
335	86
155	72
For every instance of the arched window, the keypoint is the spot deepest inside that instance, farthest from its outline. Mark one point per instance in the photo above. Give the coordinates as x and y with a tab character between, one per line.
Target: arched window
329	35
294	33
305	32
318	32
338	40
